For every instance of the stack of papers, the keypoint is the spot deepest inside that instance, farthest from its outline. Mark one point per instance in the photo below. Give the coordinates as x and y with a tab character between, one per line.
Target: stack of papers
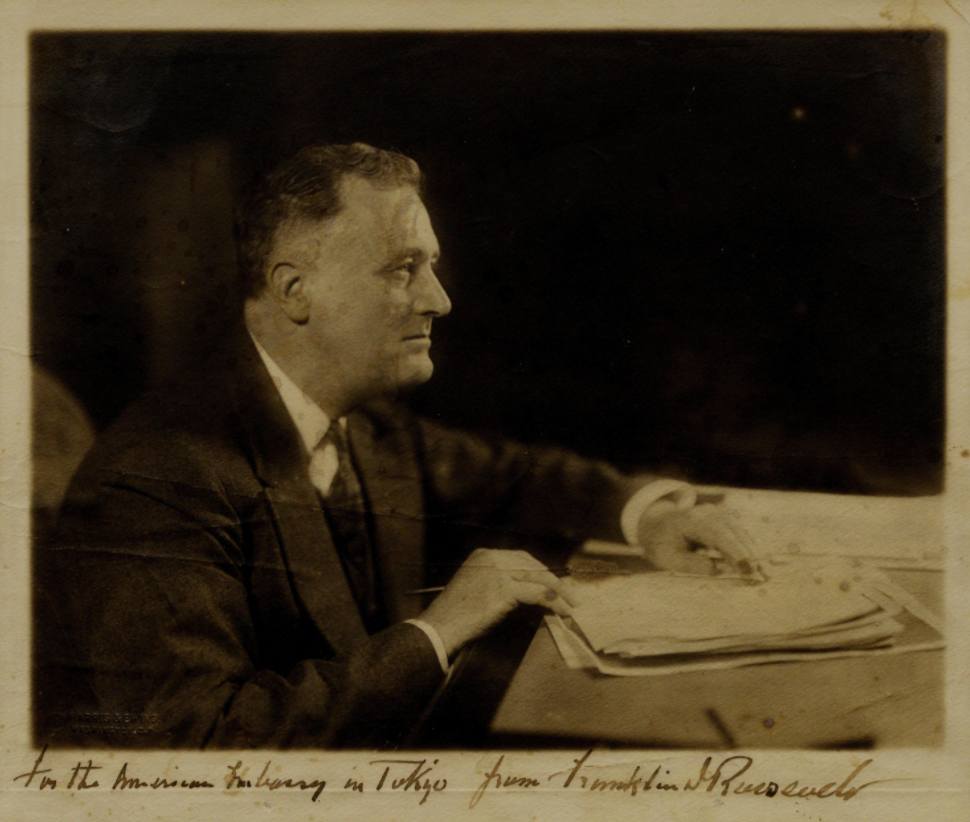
660	614
661	623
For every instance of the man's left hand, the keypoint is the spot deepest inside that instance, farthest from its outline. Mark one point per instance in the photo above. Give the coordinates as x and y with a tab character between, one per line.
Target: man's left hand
705	539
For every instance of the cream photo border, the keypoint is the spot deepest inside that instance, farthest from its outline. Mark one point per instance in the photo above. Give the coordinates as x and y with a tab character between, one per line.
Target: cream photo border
930	784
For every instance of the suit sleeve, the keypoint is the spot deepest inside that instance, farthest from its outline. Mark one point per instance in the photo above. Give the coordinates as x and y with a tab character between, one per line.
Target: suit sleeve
537	491
146	633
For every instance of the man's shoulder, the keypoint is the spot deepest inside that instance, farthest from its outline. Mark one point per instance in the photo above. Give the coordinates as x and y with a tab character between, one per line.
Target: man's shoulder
187	432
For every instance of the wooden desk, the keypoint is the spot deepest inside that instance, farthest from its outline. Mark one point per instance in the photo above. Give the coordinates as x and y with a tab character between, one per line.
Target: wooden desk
862	702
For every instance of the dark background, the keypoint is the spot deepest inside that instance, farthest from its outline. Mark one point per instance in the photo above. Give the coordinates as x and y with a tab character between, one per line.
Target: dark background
718	255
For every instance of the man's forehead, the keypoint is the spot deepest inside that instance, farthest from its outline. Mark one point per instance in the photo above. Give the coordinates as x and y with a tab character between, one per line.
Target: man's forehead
393	217
386	220
360	195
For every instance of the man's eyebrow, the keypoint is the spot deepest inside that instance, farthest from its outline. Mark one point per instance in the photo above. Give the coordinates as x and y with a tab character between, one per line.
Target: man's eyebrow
416	254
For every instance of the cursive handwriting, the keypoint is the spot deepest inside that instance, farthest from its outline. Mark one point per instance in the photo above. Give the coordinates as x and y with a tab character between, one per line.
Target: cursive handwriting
236	778
734	766
726	776
507	782
417	780
124	782
37	770
734	775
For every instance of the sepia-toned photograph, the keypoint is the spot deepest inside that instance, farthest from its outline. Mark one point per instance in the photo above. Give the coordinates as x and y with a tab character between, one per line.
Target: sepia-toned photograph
488	390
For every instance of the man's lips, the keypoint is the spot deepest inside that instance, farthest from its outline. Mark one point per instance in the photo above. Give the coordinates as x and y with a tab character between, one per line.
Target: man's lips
424	340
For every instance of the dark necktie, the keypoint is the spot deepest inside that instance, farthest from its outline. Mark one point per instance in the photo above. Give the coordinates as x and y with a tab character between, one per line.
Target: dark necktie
346	513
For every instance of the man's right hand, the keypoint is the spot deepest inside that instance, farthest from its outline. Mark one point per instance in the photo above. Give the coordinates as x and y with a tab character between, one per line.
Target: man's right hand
488	586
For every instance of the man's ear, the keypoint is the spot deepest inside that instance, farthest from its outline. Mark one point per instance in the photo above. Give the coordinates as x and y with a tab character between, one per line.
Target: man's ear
287	283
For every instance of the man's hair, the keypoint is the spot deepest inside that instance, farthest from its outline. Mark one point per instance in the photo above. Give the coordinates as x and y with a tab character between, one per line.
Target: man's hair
308	187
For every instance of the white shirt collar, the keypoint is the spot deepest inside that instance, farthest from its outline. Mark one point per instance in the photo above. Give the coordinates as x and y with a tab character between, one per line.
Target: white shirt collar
310	420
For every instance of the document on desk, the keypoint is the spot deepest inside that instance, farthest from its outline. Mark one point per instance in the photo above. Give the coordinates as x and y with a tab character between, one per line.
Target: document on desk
662	623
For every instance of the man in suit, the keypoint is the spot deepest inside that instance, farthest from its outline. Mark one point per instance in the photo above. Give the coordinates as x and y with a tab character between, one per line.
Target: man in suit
236	556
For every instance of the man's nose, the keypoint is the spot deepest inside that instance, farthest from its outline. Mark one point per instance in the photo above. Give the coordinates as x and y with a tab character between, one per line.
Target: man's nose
432	298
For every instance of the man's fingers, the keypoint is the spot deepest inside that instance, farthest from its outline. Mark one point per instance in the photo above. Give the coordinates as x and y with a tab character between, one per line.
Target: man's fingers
530	593
728	538
523	567
522	572
521	561
718	532
673	558
728	518
548	579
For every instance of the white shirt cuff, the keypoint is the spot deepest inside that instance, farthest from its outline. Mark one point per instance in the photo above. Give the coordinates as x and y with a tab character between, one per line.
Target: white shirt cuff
435	637
682	494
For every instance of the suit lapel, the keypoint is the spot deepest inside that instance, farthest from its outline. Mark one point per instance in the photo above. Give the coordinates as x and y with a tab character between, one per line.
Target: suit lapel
391	478
314	565
280	462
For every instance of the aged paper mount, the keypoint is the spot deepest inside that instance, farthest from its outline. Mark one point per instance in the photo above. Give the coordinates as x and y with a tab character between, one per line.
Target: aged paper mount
448	785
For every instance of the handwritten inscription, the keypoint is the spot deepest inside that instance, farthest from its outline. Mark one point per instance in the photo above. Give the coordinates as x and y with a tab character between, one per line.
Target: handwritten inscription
236	779
501	782
124	782
728	773
417	780
423	778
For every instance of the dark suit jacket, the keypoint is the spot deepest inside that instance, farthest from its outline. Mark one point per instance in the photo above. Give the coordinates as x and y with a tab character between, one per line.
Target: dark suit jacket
193	596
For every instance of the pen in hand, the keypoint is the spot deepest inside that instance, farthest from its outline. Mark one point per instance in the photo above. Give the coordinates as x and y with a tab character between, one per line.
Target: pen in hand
587	570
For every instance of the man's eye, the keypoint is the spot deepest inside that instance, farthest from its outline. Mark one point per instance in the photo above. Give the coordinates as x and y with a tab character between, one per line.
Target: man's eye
403	274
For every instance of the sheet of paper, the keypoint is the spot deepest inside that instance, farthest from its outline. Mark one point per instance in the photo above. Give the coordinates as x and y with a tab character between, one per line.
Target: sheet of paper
577	654
921	629
660	606
870	633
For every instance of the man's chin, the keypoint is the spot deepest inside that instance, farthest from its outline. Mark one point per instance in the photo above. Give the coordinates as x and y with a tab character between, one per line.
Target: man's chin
413	373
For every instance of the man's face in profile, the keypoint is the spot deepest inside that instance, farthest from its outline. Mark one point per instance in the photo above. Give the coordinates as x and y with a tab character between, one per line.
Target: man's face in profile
372	287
